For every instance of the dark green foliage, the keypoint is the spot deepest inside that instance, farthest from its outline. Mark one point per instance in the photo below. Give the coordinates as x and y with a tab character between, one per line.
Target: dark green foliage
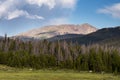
44	54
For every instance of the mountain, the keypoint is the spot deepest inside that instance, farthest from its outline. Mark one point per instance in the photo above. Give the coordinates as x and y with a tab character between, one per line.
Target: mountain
105	35
114	42
63	37
57	30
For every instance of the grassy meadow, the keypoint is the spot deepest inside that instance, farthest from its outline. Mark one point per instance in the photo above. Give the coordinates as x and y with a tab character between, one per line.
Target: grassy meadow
8	73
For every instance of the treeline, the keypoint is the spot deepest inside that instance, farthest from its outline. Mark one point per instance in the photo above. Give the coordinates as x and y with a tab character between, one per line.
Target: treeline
44	54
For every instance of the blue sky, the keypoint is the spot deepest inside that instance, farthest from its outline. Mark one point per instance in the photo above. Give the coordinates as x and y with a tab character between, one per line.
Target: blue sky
18	16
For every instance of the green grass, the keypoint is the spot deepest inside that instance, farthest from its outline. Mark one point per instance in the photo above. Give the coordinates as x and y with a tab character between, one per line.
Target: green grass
8	73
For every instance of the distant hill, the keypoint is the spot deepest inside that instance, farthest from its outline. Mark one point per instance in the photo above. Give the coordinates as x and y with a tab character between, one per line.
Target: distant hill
105	35
109	36
114	42
57	30
66	36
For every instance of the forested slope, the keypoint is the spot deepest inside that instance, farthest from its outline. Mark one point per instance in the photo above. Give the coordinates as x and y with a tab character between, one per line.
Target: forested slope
44	54
103	35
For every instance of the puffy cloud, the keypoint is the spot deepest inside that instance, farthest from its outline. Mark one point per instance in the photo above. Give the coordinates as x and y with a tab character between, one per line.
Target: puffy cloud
49	3
68	3
5	7
11	9
113	10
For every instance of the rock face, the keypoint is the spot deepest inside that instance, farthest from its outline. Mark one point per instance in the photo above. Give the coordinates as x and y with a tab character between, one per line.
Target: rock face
54	30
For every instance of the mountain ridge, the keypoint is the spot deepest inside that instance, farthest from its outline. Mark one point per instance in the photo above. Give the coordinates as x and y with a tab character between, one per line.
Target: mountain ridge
102	35
55	30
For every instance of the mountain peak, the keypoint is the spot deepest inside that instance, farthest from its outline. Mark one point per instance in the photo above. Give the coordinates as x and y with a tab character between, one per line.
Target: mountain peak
87	25
54	30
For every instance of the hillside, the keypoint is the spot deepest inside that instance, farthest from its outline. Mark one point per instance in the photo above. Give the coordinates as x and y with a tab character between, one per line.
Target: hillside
114	42
103	35
56	30
66	36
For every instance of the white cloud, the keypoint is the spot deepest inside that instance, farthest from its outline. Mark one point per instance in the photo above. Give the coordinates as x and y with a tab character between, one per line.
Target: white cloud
52	3
113	10
68	3
11	9
5	7
49	3
15	14
19	13
57	21
33	16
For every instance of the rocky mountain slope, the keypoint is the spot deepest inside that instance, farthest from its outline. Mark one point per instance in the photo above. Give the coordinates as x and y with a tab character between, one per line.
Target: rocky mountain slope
57	30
